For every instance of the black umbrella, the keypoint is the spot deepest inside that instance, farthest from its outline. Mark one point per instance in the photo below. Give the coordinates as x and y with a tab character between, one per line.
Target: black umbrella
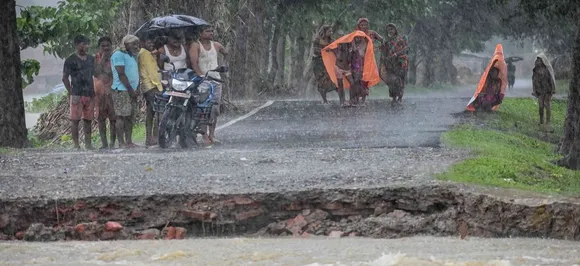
170	22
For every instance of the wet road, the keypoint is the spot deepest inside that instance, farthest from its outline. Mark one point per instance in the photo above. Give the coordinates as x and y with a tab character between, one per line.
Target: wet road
284	145
295	124
431	251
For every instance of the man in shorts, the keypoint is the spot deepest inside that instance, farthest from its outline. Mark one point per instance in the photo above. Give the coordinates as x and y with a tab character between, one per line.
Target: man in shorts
125	85
80	68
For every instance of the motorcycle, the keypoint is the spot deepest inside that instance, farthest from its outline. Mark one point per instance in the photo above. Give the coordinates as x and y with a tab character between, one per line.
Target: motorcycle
186	105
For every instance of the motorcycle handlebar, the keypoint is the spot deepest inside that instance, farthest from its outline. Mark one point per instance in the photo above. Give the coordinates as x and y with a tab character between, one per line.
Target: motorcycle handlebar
212	78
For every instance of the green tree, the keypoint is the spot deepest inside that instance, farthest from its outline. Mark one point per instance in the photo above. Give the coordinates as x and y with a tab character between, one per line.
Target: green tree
55	28
570	143
548	22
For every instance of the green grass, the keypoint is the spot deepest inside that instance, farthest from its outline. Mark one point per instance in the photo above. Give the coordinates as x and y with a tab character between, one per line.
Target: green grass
66	140
562	86
512	150
43	104
521	116
4	150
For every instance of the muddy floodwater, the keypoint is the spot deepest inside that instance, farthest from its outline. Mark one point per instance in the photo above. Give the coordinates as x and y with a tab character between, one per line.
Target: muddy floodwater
297	251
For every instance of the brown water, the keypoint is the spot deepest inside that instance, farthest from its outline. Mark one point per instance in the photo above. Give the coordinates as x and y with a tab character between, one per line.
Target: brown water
297	251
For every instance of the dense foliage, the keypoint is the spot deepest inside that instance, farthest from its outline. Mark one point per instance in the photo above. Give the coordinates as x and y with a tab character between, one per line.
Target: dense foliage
55	28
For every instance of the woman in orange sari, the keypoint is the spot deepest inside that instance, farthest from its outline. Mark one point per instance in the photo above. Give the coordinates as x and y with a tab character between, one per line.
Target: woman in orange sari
338	61
358	57
491	88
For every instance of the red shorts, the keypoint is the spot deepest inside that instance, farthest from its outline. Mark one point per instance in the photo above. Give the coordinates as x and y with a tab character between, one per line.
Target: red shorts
104	107
103	101
81	107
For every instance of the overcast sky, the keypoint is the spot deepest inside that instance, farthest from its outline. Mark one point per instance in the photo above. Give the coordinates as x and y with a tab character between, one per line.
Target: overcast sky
34	3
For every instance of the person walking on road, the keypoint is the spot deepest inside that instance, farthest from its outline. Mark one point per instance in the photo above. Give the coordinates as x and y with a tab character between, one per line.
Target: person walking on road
80	68
125	87
359	56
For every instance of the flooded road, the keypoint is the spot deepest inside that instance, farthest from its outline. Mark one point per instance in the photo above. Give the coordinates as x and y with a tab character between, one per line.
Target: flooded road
295	251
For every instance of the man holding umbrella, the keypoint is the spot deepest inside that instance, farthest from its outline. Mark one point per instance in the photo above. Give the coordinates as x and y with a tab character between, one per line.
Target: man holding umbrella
204	57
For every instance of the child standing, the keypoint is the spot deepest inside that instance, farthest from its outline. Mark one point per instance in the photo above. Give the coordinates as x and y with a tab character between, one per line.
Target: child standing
358	90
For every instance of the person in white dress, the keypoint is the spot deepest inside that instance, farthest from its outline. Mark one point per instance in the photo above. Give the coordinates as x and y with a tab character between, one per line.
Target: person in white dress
204	57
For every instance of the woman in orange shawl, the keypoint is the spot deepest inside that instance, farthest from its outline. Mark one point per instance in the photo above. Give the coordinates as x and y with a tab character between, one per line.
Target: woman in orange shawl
369	74
491	88
359	55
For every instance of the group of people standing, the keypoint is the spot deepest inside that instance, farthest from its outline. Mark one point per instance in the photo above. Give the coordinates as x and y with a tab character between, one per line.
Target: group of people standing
107	85
354	69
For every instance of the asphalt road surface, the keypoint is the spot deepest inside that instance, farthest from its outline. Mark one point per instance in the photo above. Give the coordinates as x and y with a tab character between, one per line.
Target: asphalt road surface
281	145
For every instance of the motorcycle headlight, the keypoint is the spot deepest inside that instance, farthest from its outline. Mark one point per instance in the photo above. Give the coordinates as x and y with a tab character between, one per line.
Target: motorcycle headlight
204	87
179	85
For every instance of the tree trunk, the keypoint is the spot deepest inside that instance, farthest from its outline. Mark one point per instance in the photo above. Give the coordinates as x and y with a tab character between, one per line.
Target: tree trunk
572	126
568	134
412	74
13	131
290	59
254	47
136	15
274	54
238	58
281	56
299	64
265	54
308	72
426	68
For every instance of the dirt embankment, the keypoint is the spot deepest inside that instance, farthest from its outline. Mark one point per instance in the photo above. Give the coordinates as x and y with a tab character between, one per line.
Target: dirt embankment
382	212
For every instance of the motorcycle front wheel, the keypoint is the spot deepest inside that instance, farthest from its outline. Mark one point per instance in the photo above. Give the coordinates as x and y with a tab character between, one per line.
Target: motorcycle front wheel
168	128
187	134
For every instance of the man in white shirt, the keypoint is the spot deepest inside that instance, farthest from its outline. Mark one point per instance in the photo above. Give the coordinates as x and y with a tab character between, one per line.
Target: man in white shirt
204	57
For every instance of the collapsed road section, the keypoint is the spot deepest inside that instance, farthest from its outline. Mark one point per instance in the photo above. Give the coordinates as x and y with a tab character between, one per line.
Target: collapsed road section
441	210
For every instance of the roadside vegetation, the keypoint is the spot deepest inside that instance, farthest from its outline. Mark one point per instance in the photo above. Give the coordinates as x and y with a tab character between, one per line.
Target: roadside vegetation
67	143
512	150
44	103
562	88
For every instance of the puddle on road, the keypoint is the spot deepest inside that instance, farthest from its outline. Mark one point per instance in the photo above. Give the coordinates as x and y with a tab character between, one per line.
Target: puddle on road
297	251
